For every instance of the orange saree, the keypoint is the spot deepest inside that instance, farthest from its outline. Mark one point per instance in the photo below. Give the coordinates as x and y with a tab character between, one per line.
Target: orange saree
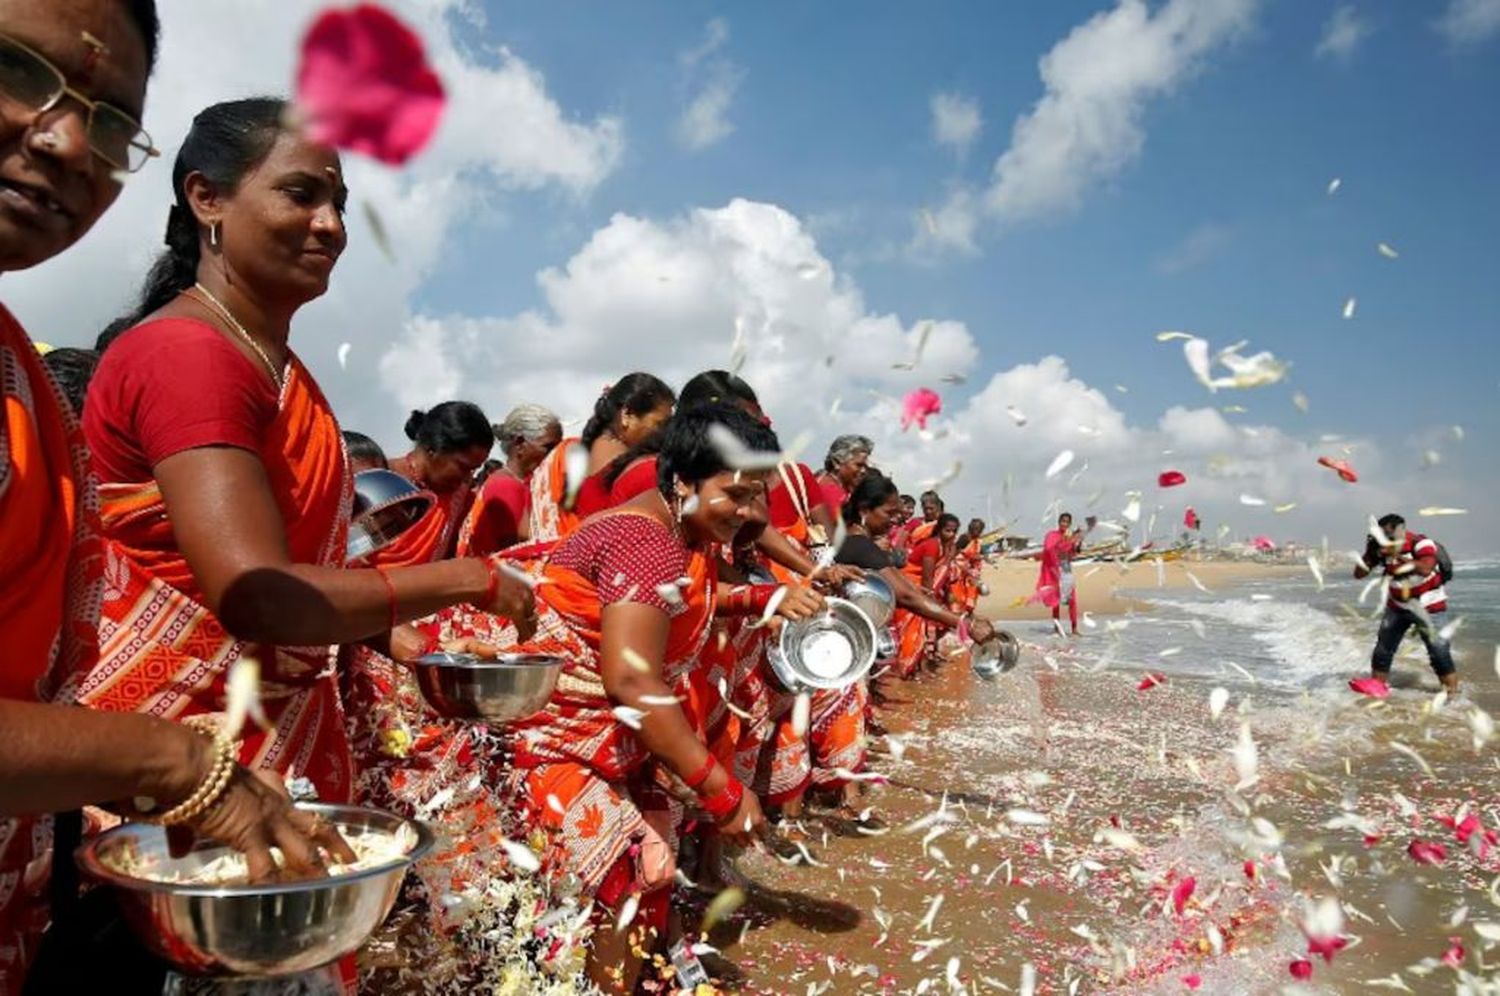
587	779
547	517
50	586
162	652
835	737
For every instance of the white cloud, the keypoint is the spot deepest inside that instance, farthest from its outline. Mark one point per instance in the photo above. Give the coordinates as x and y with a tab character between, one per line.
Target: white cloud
1198	247
1468	22
715	37
502	132
668	295
1087	126
955	121
704	120
1343	33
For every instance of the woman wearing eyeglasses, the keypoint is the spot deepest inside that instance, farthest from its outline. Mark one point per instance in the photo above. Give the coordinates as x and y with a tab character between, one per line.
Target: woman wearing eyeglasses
72	86
224	483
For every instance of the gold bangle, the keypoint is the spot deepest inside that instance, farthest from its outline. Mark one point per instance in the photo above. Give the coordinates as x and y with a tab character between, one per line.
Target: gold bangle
211	789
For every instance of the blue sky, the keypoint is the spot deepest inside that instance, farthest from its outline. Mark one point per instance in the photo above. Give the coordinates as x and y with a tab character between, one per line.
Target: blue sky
567	225
832	122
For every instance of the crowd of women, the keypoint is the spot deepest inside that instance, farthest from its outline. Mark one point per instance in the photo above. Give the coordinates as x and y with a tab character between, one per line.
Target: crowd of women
179	501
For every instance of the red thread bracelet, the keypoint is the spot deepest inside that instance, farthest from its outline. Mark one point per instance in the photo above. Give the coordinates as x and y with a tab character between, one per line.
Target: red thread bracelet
722	804
390	596
493	588
696	779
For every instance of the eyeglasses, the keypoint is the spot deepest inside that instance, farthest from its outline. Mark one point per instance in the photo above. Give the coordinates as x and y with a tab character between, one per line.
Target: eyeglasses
28	77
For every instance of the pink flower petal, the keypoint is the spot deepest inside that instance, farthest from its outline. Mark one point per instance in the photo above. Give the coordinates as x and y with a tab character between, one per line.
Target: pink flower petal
1327	947
1373	687
918	407
1454	956
1301	969
1170	479
364	84
1427	852
1467	828
1249	867
1341	467
1190	518
1182	893
1150	681
1192	981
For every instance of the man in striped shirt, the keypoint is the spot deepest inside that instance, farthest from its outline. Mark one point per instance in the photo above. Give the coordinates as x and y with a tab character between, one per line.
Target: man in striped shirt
1414	595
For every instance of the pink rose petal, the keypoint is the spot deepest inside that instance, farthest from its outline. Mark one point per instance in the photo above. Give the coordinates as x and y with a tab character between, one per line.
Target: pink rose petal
1192	981
1340	467
1301	969
1373	687
1427	852
1327	947
1182	892
364	84
1454	956
918	407
1150	681
1170	479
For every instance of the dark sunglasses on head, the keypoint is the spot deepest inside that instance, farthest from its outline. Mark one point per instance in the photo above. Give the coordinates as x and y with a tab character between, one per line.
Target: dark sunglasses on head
27	77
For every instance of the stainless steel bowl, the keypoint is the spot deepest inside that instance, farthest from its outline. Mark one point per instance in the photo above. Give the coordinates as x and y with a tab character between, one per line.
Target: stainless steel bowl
502	690
831	650
257	931
886	647
385	506
995	656
874	596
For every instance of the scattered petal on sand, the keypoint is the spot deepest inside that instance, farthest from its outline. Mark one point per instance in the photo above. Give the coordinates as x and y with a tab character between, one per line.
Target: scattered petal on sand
1373	687
363	83
1217	700
1182	892
918	406
1301	969
1150	681
1425	852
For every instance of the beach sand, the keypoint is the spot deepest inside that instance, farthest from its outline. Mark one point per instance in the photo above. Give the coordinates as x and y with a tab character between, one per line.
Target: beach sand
1045	819
1099	586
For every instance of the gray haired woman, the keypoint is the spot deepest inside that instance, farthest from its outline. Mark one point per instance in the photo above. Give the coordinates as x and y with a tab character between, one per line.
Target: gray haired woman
498	517
845	465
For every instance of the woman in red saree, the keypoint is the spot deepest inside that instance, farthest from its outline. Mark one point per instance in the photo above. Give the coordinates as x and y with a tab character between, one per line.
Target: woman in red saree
53	756
871	512
966	587
1054	579
847	460
499	516
226	488
628	599
628	412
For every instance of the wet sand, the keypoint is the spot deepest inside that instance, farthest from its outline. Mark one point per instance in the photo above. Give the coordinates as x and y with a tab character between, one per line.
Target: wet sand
1101	587
1045	818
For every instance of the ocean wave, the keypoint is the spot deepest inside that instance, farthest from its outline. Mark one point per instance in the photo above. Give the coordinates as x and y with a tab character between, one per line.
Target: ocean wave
1309	646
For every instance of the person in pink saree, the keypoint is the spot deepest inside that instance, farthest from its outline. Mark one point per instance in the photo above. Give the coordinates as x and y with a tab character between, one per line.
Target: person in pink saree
1054	582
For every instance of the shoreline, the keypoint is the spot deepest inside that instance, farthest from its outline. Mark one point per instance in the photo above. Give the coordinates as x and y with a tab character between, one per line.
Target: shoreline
1106	589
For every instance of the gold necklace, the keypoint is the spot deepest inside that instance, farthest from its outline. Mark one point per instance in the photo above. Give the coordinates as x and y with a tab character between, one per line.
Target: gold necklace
207	297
